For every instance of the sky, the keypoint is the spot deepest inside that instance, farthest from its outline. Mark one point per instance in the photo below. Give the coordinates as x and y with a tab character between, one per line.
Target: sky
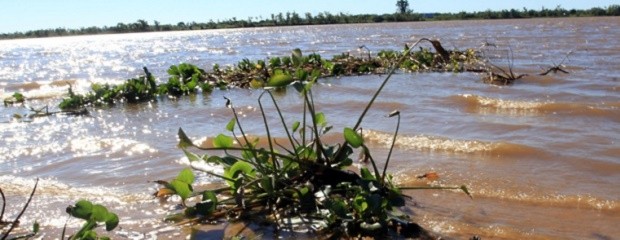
24	15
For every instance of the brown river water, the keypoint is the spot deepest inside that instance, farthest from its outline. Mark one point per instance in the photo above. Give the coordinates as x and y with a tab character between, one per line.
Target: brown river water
541	157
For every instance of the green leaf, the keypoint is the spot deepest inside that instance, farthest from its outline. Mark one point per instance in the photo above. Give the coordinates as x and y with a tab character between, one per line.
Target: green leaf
354	139
247	154
214	159
191	85
360	204
295	126
208	204
82	209
35	227
18	97
231	125
184	141
111	222
280	80
297	53
240	166
89	235
266	184
99	213
222	141
237	168
186	176
366	175
209	195
339	208
320	119
192	157
301	74
173	70
183	189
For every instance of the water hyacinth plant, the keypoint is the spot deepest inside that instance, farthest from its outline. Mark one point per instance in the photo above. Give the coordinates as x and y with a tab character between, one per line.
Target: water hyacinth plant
186	79
17	97
301	185
93	214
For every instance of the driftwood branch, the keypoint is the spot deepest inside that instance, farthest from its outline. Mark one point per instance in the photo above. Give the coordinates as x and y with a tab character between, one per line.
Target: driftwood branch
557	67
496	74
554	69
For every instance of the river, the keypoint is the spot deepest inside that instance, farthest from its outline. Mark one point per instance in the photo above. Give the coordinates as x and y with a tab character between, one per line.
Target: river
541	157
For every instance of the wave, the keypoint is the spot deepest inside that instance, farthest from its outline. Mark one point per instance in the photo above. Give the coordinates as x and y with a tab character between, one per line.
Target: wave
580	201
475	103
79	147
493	191
13	185
436	143
52	197
42	90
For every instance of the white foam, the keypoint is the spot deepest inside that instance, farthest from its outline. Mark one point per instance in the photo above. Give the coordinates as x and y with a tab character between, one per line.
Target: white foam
430	142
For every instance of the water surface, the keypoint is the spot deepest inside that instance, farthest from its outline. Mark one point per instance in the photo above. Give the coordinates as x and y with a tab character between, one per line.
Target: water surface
540	156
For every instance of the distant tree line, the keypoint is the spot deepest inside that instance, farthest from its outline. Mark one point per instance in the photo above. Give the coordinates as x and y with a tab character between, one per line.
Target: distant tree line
293	18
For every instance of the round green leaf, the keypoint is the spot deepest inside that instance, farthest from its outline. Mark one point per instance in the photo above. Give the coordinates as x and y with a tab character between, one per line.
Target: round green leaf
111	221
99	213
237	168
354	139
222	141
186	176
82	209
208	204
320	119
360	204
280	80
209	195
181	188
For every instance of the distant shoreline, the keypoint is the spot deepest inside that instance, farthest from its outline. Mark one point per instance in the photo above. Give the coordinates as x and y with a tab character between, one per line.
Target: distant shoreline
325	18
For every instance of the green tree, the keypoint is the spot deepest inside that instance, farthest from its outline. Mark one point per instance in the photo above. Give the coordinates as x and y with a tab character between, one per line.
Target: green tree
142	25
402	6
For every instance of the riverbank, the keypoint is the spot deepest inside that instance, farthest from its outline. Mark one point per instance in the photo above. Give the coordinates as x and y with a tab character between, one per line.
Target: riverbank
326	18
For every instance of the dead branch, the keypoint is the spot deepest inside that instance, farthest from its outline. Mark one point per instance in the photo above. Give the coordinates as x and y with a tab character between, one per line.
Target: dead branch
554	69
496	74
445	55
557	67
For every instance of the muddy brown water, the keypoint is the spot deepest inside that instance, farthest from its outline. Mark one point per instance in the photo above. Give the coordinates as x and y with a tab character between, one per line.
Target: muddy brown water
541	157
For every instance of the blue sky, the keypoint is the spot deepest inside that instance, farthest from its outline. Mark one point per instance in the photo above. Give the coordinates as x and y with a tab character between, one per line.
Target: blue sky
23	15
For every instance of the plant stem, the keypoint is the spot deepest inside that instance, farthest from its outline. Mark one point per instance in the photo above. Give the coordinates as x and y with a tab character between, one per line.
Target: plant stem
22	212
387	161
